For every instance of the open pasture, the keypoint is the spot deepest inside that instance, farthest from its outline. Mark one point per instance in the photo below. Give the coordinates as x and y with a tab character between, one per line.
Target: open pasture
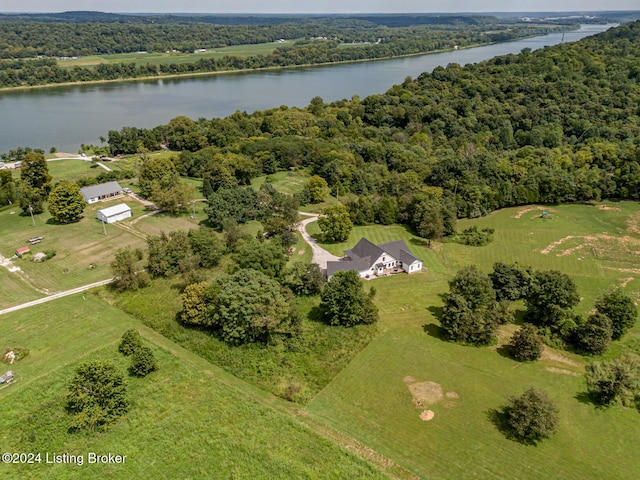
83	251
409	369
156	58
187	420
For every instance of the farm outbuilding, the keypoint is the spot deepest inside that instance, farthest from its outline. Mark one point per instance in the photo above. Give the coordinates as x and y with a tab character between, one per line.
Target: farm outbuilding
22	250
115	213
95	193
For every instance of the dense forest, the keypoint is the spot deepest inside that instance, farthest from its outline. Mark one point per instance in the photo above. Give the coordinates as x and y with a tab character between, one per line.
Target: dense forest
559	124
30	50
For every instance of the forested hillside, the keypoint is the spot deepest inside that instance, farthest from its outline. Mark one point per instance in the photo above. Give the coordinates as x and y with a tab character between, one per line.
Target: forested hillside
50	48
556	125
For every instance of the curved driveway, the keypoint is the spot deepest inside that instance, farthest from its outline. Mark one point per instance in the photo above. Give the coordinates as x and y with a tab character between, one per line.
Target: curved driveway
320	255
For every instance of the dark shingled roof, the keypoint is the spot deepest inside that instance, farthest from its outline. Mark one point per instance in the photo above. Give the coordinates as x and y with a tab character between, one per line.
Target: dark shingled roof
362	256
364	248
399	250
340	266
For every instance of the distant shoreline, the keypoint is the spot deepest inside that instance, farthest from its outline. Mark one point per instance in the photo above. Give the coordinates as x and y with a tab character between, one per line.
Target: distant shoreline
244	70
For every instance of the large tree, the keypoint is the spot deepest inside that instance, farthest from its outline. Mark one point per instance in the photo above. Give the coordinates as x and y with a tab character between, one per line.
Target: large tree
511	282
97	395
620	309
157	174
335	223
66	203
248	306
594	335
36	182
317	189
550	299
470	313
531	417
344	301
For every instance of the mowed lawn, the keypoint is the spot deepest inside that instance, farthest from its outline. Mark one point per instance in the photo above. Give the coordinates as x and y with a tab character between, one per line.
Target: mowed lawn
371	401
187	420
83	252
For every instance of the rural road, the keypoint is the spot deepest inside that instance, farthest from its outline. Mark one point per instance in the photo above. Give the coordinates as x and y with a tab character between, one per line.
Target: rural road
320	255
56	295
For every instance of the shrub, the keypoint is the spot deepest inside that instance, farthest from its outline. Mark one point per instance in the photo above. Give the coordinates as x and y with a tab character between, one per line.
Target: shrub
525	344
130	342
143	361
97	396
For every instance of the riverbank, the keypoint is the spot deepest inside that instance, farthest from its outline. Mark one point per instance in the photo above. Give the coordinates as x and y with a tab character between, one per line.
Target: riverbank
249	70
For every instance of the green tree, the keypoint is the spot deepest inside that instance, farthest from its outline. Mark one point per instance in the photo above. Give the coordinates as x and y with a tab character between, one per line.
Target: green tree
129	342
470	314
305	278
318	189
531	417
143	362
157	174
267	257
615	381
526	345
620	309
123	268
428	221
344	302
174	199
66	203
97	396
335	223
474	286
207	246
511	282
463	324
35	172
166	252
248	306
594	335
551	297
194	304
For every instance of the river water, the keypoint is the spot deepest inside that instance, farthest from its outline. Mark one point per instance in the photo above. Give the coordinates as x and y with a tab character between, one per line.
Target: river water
65	117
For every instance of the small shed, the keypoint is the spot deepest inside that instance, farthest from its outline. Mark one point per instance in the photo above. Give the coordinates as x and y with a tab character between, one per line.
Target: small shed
115	213
7	377
22	250
95	193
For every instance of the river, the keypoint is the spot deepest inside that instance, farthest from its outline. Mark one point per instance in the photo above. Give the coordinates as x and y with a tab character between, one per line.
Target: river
65	117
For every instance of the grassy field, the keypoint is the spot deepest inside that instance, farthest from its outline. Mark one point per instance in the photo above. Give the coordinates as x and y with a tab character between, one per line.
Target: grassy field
83	252
372	401
305	365
168	58
187	420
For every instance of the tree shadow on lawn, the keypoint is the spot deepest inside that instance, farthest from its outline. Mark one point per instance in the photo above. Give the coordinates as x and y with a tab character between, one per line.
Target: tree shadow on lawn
499	419
505	351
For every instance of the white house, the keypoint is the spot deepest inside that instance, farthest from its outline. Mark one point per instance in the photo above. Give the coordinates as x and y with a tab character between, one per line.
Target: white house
115	213
369	259
95	193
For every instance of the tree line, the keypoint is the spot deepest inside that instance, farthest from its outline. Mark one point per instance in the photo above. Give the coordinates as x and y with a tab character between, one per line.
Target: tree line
556	125
332	46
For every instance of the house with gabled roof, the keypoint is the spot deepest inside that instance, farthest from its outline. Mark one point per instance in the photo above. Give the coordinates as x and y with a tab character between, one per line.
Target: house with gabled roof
104	191
369	259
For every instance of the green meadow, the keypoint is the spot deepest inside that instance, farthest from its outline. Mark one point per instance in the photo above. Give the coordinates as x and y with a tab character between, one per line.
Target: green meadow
213	406
157	58
187	420
372	398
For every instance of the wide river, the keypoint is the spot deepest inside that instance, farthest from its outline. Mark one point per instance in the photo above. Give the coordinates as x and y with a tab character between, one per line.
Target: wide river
65	117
